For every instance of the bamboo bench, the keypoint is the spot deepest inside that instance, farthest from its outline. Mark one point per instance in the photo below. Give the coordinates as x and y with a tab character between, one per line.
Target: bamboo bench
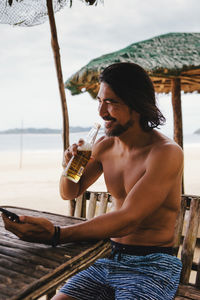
91	204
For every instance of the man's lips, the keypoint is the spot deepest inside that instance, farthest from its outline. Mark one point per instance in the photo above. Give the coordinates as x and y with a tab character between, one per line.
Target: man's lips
108	119
108	123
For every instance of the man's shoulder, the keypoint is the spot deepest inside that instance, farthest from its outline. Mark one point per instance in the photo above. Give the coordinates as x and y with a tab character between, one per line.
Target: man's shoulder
167	151
105	140
103	144
167	145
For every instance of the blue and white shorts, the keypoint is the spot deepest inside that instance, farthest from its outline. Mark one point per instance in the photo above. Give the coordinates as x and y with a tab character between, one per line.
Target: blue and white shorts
126	277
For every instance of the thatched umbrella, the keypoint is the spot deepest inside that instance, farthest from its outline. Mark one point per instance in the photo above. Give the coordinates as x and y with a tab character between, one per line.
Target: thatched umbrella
172	61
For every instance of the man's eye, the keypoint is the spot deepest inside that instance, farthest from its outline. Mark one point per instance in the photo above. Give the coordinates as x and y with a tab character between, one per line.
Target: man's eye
106	102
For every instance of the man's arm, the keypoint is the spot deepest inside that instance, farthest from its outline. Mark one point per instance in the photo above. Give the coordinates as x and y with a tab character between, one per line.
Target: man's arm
70	190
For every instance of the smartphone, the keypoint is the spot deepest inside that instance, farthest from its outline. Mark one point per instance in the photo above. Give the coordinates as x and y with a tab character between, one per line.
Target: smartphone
10	215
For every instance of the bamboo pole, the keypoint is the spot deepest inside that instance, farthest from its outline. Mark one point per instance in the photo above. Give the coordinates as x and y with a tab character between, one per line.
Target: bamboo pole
56	52
177	115
177	111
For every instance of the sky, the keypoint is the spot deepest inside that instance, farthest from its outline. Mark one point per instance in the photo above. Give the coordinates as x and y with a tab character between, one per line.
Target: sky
28	83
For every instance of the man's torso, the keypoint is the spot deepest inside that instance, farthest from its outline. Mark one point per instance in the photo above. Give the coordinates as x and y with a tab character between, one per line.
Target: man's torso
122	171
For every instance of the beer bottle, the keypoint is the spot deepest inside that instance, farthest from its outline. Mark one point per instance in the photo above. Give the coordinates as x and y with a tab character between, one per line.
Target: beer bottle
77	163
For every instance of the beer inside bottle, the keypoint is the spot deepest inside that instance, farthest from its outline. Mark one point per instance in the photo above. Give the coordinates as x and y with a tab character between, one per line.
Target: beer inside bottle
77	163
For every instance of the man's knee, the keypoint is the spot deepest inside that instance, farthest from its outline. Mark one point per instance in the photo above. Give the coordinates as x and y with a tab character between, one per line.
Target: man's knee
61	296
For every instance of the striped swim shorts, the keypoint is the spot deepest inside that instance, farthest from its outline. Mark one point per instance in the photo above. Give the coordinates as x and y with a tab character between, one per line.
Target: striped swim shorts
125	276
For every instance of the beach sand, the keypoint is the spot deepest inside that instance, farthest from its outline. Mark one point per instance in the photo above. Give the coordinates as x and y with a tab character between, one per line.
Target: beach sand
36	184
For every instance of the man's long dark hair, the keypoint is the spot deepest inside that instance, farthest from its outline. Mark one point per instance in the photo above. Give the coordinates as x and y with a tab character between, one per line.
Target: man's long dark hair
132	84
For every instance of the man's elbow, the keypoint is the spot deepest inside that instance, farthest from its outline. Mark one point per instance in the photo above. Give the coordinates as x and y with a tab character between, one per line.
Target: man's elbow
67	195
63	196
64	193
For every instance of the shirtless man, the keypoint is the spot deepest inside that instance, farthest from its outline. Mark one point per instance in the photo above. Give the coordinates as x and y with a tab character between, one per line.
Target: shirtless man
143	173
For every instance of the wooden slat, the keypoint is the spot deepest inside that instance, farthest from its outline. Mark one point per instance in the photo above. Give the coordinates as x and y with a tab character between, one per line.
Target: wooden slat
179	224
103	203
188	292
92	206
50	294
72	204
197	283
190	240
15	263
79	205
84	206
93	197
9	243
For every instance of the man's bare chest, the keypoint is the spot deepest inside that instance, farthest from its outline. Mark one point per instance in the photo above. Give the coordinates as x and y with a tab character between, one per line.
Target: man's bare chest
122	173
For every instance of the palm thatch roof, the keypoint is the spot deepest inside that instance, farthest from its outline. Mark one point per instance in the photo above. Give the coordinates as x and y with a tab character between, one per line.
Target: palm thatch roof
32	12
164	57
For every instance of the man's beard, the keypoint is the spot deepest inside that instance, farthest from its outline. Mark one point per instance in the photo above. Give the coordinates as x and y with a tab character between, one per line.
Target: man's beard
118	129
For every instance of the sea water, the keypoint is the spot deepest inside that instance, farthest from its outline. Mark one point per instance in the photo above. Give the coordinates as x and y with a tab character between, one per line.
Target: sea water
53	142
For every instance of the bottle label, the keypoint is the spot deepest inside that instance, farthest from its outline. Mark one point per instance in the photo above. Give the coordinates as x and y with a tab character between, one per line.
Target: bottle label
77	164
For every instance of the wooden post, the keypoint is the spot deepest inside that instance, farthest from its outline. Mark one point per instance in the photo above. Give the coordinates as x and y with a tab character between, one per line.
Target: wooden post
177	114
56	52
177	111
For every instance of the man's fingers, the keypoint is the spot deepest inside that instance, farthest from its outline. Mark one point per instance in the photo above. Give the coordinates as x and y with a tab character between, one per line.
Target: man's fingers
81	142
72	150
12	226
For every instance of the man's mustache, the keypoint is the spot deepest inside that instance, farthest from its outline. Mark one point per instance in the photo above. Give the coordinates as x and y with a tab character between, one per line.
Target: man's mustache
108	118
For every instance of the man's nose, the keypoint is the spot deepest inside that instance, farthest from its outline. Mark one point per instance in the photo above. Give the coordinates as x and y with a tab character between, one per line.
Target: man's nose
102	109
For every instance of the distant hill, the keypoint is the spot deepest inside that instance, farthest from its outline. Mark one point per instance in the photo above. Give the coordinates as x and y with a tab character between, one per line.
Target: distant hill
42	130
197	131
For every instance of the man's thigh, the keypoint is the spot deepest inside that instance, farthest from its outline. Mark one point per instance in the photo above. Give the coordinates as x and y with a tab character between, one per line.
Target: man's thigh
89	284
154	277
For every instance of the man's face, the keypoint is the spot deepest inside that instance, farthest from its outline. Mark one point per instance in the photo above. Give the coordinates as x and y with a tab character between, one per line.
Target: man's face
114	112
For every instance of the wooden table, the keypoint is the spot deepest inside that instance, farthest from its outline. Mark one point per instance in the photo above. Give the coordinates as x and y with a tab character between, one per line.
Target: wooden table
28	270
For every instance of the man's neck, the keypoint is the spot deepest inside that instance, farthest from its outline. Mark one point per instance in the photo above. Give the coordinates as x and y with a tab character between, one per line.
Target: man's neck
139	138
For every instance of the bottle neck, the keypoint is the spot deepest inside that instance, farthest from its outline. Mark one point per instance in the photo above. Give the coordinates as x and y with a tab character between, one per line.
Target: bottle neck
91	137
